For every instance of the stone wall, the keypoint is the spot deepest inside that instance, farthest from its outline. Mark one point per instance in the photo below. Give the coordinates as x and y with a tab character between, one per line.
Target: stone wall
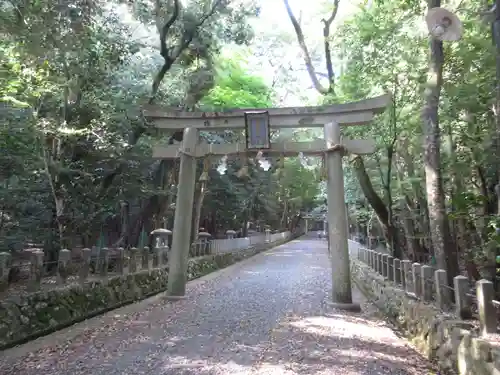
441	337
32	315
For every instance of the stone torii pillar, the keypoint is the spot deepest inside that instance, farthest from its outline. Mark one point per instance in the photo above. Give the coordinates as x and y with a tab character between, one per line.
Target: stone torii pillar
177	276
337	223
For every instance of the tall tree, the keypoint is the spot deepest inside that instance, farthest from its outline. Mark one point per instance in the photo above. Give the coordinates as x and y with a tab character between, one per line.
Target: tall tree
442	243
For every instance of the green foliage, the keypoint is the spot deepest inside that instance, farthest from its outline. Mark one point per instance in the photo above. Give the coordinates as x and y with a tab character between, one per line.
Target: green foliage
75	146
235	88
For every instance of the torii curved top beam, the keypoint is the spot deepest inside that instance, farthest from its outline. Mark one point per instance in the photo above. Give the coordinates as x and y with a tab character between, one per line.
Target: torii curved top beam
353	113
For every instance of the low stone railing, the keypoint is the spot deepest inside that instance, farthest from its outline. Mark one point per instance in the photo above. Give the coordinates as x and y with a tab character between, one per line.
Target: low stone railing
45	308
225	245
80	265
440	320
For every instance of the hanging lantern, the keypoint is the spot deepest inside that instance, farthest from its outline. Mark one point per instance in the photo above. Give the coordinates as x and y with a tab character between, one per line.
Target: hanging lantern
206	168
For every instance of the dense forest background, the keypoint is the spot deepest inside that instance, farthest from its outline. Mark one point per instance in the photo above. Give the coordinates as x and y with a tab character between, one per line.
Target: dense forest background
75	162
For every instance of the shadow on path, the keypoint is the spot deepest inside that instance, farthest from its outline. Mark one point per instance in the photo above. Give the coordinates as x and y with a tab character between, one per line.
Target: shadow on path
264	316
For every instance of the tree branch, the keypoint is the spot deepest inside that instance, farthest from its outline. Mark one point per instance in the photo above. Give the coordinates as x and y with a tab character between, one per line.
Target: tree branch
326	40
307	57
163	30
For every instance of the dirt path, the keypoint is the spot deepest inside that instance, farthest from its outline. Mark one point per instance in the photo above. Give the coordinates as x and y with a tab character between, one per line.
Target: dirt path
266	315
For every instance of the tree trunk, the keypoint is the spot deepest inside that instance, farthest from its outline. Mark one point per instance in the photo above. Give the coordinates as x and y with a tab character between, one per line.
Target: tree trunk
390	232
444	250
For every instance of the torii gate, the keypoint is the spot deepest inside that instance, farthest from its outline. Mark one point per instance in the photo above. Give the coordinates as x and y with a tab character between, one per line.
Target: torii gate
258	123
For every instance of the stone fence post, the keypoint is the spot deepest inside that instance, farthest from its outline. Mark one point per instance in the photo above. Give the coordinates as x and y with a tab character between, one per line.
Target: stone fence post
390	268
121	260
84	270
485	293
406	277
417	279
103	261
5	259
427	283
132	264
385	265
146	258
36	270
443	293
63	266
397	270
462	300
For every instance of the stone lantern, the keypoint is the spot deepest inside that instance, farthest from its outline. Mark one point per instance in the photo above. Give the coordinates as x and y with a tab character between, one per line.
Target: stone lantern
160	240
230	234
204	241
267	230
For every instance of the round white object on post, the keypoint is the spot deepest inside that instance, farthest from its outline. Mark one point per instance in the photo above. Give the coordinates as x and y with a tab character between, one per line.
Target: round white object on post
443	25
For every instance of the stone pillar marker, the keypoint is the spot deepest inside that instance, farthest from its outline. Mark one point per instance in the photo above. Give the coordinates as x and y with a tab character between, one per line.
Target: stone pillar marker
178	261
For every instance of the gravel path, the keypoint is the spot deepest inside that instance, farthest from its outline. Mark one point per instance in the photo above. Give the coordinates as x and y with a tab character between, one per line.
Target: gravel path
265	315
